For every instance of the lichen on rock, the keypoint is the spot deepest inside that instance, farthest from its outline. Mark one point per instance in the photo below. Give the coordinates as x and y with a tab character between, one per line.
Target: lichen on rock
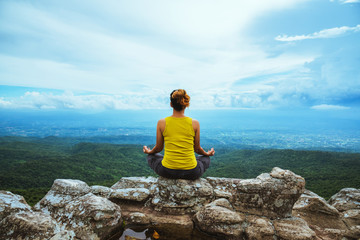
178	196
219	218
347	202
75	208
10	203
271	206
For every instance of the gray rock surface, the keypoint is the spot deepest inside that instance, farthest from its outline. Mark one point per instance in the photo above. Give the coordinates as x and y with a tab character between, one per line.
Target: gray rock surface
321	217
294	229
101	191
61	192
178	196
11	203
347	201
64	235
219	218
138	218
76	209
135	182
27	225
259	228
133	194
272	195
272	206
19	221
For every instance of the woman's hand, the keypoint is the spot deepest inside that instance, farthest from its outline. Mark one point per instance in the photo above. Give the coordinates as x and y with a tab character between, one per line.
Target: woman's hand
146	150
159	146
211	152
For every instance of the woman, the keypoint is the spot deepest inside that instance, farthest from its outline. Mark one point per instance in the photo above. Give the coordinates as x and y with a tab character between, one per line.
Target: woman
181	136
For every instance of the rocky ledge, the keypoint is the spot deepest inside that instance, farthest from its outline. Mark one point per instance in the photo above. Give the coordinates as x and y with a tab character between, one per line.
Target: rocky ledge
272	206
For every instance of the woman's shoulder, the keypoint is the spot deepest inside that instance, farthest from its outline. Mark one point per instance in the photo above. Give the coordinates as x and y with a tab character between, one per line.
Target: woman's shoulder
162	121
195	124
195	121
161	124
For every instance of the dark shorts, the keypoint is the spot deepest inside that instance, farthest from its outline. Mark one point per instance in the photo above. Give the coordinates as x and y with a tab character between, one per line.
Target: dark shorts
154	161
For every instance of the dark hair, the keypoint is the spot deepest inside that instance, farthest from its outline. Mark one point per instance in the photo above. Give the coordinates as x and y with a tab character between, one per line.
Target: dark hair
179	99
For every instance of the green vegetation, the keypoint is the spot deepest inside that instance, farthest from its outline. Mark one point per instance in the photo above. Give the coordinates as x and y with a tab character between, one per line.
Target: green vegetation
28	166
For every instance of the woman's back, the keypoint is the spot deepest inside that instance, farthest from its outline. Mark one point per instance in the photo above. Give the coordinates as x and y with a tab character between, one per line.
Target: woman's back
179	143
181	137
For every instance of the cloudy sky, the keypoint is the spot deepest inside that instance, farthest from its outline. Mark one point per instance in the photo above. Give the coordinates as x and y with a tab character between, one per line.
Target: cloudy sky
114	54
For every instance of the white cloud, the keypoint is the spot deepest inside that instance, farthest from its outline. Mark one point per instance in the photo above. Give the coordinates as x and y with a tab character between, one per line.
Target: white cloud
201	23
67	100
151	100
131	46
329	107
4	103
135	52
326	33
349	1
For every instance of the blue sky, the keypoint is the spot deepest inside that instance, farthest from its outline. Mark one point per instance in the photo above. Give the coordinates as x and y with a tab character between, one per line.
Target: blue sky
113	54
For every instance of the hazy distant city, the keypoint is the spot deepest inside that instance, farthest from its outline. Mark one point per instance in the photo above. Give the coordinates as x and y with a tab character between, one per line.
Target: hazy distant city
228	129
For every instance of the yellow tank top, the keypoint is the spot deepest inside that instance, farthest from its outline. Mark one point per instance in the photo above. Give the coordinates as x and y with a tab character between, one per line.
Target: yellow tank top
179	137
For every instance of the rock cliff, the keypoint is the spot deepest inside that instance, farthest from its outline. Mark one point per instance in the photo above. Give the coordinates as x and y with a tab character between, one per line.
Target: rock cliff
272	206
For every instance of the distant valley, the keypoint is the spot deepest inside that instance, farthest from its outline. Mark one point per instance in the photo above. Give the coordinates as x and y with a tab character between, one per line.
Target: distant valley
28	166
236	129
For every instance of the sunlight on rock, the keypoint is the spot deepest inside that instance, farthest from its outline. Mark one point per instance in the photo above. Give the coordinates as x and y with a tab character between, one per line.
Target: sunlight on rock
273	205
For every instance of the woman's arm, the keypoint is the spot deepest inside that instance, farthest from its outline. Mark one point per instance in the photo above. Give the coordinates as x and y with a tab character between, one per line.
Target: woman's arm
197	148
159	146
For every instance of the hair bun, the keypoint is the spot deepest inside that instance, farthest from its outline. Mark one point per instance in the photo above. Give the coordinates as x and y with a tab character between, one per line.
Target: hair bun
180	99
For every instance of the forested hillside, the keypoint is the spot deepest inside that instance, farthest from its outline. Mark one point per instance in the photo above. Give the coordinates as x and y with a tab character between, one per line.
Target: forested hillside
29	166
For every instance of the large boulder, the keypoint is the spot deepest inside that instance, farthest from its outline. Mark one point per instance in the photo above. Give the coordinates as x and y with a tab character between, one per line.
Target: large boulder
272	195
351	217
90	214
19	221
137	189
293	229
101	191
347	201
219	218
27	225
61	192
321	217
76	209
11	203
259	228
137	193
178	196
